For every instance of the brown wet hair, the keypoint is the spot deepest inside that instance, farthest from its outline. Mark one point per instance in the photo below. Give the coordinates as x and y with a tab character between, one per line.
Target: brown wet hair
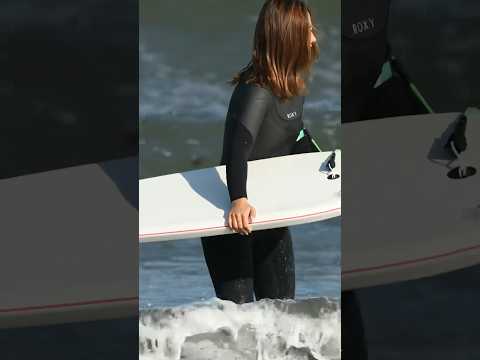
281	58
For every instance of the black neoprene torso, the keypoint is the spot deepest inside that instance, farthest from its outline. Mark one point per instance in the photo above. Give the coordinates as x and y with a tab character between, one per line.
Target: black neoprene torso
364	51
258	126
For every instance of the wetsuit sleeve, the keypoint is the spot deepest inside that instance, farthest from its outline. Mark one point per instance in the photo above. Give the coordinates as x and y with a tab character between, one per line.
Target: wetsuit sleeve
249	112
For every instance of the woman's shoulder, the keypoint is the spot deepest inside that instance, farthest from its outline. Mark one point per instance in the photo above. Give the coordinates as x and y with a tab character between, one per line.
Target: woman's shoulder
253	90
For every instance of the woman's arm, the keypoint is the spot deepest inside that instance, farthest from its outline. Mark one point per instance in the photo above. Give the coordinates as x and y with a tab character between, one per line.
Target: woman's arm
249	111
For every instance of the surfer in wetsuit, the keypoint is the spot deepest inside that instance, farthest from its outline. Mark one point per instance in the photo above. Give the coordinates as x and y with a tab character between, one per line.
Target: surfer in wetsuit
264	119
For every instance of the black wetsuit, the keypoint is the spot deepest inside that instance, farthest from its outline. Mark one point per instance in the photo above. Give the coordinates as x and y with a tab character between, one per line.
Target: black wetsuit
365	51
258	126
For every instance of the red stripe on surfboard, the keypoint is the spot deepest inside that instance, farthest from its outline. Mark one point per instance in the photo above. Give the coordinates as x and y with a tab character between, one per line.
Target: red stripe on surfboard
412	261
67	305
221	227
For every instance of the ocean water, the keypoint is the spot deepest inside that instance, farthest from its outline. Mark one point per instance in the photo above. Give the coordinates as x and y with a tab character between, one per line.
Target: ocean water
185	62
176	290
175	273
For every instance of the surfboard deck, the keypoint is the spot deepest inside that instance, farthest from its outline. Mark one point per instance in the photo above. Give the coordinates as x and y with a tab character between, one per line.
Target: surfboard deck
403	217
286	190
68	251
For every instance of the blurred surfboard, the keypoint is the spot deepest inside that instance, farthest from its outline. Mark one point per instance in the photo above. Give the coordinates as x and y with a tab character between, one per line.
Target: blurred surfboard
405	214
69	251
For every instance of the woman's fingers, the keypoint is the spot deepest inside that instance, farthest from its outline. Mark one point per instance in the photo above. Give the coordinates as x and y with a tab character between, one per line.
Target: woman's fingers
253	213
237	223
246	226
234	223
240	220
240	224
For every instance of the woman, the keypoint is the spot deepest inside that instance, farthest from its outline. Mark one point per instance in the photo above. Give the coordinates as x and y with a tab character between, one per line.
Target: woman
263	121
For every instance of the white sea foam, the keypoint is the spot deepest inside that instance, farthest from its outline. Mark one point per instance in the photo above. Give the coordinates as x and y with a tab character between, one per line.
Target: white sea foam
264	330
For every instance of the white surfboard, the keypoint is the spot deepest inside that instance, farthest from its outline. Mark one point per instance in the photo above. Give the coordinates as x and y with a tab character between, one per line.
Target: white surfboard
286	190
68	250
403	217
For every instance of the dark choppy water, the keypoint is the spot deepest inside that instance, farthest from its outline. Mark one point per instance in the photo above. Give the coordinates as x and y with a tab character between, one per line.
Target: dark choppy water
185	63
174	273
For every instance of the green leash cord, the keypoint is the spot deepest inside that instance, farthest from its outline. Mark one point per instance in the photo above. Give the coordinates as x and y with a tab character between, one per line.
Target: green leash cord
302	134
387	73
421	98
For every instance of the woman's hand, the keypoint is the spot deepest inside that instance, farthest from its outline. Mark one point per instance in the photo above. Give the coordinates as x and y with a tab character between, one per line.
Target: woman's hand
241	215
